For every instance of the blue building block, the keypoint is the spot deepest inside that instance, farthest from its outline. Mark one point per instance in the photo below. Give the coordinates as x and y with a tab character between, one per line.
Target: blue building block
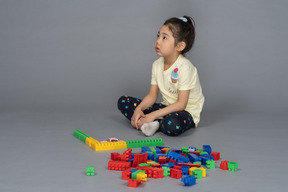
170	164
133	170
207	148
151	156
145	149
130	160
189	180
179	151
175	156
206	157
158	150
179	161
185	170
192	157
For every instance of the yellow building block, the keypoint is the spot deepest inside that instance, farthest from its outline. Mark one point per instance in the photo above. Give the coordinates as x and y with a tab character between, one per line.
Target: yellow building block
142	176
150	163
192	169
110	146
201	168
91	141
203	171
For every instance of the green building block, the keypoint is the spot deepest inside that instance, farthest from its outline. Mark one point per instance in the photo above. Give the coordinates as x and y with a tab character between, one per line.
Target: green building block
143	165
197	173
80	135
166	171
185	150
153	150
199	149
134	174
152	164
204	153
210	164
197	162
144	142
232	166
90	170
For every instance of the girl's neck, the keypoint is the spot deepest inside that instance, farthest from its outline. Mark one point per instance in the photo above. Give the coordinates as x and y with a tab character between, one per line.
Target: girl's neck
168	61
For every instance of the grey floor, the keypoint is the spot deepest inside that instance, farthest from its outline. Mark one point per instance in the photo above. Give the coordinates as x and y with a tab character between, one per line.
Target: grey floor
39	152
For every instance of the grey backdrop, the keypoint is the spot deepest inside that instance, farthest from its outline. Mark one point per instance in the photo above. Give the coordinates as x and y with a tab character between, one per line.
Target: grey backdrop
64	64
56	54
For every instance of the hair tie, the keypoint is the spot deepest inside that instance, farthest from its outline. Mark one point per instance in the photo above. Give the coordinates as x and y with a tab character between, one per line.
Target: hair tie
183	19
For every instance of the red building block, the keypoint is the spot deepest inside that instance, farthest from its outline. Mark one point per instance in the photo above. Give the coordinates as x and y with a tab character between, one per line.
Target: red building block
216	155
156	165
134	183
152	172
189	164
224	165
163	160
155	172
118	165
163	151
177	167
175	173
126	155
183	154
139	158
115	156
196	152
126	175
173	161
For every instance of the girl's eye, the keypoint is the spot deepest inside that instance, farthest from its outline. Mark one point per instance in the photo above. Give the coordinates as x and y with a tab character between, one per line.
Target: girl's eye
164	38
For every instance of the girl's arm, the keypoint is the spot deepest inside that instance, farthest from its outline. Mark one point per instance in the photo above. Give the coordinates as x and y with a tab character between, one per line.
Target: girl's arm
150	98
180	105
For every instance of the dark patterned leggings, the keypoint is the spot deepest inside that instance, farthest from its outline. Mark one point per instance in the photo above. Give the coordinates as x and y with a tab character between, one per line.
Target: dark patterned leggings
173	124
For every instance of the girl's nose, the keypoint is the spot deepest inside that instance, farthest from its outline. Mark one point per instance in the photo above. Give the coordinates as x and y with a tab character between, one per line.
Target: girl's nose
157	41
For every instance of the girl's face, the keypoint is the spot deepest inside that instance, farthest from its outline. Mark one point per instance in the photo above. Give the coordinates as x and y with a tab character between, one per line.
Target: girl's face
165	42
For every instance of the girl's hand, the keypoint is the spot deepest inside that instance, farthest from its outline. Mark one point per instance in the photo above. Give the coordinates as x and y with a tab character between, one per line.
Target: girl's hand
135	118
147	119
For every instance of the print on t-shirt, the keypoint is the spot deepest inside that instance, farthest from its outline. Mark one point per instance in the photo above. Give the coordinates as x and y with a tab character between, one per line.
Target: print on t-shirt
174	75
174	79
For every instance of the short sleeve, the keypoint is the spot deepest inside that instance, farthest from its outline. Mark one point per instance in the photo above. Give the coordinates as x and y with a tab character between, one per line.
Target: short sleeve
153	76
187	78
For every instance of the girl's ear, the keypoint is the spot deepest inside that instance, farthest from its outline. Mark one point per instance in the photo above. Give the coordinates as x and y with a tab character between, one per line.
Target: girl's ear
181	46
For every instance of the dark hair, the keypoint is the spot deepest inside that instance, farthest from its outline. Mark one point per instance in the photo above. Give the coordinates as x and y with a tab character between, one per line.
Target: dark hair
183	29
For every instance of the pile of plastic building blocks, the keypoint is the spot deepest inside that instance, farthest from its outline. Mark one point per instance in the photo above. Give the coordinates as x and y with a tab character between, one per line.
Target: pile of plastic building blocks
187	164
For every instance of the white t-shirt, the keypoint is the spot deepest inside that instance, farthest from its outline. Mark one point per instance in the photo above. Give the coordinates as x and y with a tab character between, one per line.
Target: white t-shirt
182	75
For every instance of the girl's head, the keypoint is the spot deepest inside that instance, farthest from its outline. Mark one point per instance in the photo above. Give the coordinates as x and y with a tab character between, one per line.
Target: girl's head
180	32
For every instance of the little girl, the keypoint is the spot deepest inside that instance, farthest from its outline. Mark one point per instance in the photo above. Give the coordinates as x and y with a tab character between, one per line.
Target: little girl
177	80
